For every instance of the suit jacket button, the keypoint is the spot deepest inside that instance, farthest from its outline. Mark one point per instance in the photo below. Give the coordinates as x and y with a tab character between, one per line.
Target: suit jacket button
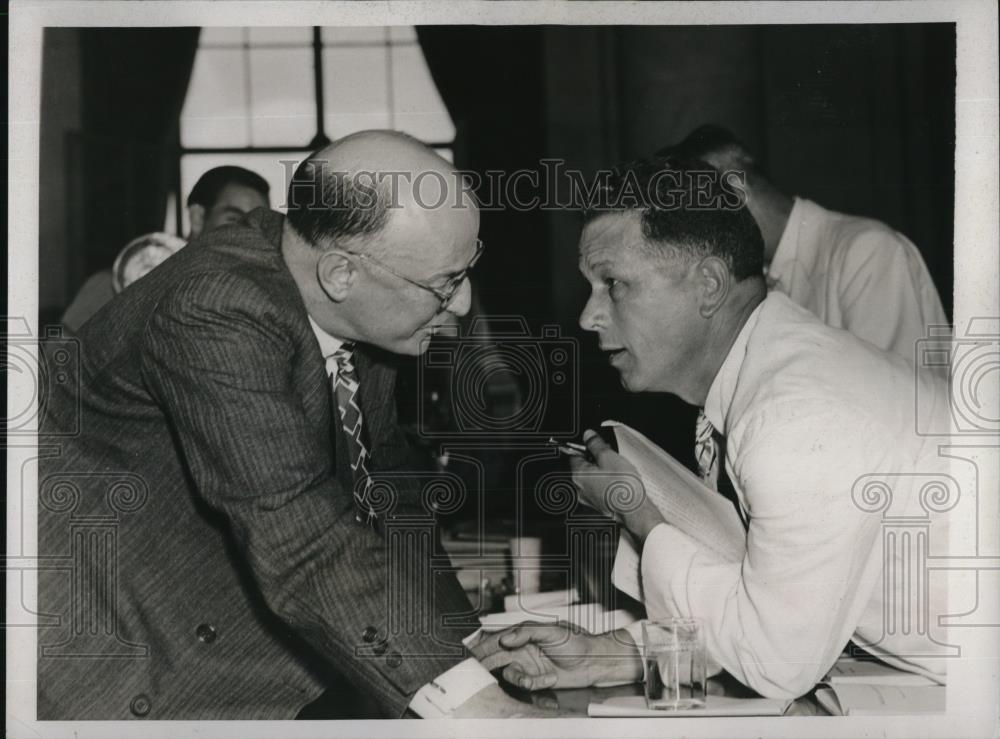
369	634
394	659
140	705
206	633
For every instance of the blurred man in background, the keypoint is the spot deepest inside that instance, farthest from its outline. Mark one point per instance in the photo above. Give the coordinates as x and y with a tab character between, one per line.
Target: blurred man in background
854	273
220	196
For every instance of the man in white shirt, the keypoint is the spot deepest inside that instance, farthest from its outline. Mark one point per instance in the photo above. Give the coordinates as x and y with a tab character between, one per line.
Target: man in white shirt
679	303
854	273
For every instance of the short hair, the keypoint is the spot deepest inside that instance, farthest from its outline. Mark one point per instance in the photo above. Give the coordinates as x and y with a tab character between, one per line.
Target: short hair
686	209
708	140
208	187
325	205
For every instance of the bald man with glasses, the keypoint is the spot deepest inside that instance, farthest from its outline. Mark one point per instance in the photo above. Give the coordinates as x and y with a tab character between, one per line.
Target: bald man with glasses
244	391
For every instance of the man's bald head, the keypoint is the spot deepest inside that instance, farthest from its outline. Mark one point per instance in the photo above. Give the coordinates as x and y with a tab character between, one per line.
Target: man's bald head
350	187
379	236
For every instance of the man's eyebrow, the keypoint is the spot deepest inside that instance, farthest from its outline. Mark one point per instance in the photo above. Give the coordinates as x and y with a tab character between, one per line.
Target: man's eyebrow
595	266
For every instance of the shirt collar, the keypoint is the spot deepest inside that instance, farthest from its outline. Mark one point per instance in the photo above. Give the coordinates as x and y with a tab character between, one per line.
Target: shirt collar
327	344
723	388
784	255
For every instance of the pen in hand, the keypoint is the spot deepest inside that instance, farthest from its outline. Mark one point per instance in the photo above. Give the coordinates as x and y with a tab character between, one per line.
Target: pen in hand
570	449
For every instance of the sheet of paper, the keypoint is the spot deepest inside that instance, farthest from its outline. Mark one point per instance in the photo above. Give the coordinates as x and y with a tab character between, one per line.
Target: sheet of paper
715	705
683	499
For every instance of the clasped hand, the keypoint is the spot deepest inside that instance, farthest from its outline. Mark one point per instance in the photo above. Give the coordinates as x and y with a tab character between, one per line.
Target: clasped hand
536	656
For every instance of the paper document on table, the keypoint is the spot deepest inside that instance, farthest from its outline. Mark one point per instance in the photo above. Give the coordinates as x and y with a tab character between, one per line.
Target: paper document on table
683	499
715	705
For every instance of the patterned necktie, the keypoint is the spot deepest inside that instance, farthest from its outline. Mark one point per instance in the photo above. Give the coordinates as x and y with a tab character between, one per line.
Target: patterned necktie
709	451
345	390
706	451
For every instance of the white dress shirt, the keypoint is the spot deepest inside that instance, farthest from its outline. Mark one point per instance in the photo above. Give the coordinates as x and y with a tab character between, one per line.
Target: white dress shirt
807	412
440	697
856	274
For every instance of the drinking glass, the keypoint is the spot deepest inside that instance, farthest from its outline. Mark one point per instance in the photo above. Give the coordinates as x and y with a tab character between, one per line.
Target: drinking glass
674	660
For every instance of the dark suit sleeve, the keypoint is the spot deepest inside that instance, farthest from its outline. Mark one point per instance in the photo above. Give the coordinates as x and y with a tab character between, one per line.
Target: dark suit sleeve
218	355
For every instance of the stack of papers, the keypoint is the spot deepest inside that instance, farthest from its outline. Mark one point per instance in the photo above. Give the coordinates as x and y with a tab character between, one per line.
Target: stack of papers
867	688
863	699
848	671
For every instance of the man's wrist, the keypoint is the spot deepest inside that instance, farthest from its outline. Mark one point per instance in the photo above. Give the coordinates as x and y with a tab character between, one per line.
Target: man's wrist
643	520
619	659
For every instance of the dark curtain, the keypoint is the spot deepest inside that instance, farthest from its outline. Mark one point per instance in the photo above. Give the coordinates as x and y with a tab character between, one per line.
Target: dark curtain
491	81
124	160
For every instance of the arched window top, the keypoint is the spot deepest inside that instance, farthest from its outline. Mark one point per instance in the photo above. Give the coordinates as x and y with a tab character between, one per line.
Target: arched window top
261	88
260	95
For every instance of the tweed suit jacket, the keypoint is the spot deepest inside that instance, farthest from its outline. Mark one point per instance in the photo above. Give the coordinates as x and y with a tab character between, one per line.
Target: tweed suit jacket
205	557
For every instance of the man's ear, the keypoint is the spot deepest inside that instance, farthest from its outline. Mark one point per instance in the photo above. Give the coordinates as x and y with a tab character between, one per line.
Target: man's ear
714	282
336	274
196	214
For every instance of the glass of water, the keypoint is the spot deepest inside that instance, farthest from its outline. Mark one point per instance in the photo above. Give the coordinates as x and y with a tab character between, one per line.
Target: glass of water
674	660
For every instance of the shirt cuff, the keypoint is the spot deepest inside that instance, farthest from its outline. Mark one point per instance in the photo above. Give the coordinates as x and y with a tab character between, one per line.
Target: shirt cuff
449	690
634	630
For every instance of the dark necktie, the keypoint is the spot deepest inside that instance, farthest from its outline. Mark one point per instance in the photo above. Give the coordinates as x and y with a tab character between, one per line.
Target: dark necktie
710	452
345	390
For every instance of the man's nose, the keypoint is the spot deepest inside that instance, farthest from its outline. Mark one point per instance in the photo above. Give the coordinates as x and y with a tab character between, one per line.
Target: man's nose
462	300
590	315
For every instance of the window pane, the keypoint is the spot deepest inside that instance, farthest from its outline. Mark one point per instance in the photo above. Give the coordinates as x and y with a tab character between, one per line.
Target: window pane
354	90
297	35
353	34
402	33
221	36
282	101
268	166
418	107
216	106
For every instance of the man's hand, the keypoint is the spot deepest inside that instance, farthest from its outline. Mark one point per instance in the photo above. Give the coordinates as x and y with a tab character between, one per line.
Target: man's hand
540	656
627	502
596	481
492	702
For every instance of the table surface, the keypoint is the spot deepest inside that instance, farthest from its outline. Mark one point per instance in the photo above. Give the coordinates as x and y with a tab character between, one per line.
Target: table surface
574	702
